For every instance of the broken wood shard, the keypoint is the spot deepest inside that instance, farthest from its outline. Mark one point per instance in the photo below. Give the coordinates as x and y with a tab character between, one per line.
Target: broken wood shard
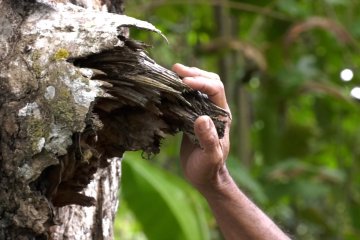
143	103
148	101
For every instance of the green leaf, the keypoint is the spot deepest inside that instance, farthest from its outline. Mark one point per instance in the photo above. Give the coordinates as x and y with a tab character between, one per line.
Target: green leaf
165	206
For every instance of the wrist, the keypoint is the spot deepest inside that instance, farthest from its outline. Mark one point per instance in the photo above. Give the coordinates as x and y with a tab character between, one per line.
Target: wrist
222	184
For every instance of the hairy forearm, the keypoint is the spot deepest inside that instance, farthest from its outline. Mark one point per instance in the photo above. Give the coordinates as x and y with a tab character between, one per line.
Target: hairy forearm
237	217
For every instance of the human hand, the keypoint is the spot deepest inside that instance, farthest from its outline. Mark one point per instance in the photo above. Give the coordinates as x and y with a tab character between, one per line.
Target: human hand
204	166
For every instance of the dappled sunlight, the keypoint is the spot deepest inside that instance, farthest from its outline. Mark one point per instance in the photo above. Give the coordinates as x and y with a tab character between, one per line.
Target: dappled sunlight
346	75
355	93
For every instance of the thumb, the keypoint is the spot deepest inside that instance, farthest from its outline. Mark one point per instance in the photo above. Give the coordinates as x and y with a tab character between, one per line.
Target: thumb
206	133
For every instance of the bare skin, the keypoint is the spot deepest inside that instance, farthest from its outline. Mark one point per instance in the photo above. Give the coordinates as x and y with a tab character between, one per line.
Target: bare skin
206	170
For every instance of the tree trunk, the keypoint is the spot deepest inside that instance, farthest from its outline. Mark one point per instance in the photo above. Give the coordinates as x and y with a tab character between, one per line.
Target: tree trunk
27	122
78	222
96	222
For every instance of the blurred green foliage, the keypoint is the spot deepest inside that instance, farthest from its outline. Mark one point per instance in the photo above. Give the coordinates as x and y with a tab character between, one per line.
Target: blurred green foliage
295	134
161	201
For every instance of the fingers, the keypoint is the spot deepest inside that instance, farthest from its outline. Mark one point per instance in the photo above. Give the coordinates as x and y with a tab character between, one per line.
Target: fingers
214	89
185	71
205	82
206	133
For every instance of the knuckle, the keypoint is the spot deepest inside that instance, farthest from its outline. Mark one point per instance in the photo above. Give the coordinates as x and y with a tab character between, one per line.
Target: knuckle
220	86
215	76
228	121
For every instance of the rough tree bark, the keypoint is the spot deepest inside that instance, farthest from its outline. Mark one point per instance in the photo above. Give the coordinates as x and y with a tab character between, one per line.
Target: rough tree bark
75	93
25	133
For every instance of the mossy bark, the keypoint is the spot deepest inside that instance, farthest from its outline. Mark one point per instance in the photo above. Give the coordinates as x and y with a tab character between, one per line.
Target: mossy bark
41	107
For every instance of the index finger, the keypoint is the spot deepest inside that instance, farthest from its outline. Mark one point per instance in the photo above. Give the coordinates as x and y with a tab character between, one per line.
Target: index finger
205	82
185	71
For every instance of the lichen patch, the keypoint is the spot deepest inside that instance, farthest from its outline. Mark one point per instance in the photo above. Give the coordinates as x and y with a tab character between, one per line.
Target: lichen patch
31	109
50	92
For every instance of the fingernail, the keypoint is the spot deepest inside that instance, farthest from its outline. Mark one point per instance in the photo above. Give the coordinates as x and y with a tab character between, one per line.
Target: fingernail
206	125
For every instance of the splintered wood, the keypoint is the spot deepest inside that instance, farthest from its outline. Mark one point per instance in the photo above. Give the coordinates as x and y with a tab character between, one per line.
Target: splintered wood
145	101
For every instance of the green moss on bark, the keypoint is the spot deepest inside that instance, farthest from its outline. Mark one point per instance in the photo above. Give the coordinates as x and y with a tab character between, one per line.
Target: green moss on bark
61	54
62	108
37	129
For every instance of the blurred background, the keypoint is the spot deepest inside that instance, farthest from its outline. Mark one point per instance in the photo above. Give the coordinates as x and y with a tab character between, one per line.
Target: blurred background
291	72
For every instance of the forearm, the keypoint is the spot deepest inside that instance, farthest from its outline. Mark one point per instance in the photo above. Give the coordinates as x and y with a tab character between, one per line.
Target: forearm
237	217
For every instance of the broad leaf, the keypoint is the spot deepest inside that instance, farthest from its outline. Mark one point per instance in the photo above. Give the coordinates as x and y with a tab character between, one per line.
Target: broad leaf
165	205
